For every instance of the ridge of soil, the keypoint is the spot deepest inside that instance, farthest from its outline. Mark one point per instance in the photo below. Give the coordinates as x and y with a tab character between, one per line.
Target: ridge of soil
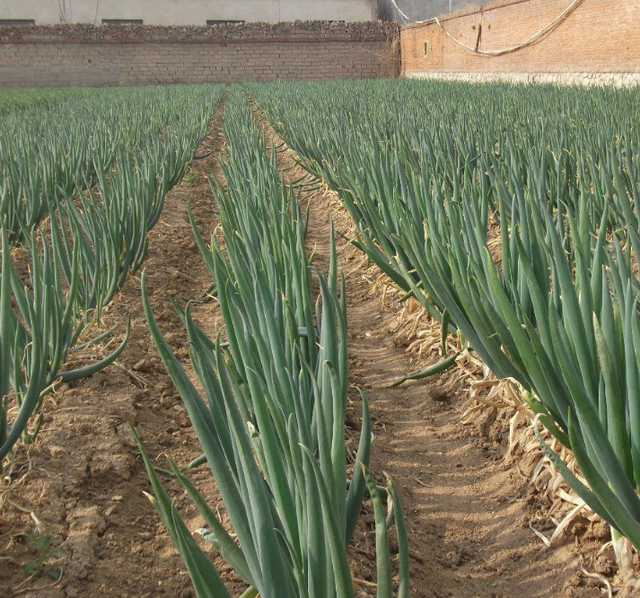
84	480
467	510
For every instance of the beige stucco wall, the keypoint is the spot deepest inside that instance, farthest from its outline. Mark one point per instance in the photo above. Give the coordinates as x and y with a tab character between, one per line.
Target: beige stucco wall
187	12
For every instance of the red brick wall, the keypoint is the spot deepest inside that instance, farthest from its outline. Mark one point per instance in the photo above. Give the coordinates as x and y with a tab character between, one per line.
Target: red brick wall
85	55
601	36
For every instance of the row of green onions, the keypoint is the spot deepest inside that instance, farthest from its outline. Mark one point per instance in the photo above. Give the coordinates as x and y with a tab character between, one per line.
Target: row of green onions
12	98
510	213
48	149
95	236
271	414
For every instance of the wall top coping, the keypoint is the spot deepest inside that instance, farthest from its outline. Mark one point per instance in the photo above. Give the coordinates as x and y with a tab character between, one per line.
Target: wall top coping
219	33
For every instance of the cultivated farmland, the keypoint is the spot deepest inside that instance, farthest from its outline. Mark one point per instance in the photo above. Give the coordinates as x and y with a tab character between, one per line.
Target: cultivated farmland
375	338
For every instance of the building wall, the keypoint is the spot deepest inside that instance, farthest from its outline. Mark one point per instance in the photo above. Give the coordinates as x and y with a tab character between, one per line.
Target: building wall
599	42
419	10
187	12
134	55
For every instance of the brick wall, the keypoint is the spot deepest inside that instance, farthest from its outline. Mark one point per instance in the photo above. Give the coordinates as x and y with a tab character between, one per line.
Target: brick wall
598	42
132	55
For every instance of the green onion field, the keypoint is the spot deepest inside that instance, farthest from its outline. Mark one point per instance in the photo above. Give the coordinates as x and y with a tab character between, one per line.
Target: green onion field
320	340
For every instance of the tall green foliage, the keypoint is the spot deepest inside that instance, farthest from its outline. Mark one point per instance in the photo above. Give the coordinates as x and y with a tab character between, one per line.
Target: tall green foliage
271	421
96	232
514	211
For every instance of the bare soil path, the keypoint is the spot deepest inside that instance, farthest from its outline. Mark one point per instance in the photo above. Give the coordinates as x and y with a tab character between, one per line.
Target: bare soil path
467	511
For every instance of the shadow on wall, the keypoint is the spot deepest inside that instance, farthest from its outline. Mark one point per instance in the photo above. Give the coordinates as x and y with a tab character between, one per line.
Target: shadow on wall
419	10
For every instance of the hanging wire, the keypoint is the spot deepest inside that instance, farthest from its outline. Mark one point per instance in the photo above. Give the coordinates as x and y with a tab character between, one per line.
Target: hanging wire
536	37
404	17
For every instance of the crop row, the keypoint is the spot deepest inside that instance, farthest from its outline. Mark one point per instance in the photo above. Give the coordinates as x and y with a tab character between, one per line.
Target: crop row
101	196
48	153
511	215
271	422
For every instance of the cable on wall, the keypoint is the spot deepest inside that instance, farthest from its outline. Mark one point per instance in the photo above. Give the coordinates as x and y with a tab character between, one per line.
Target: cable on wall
536	37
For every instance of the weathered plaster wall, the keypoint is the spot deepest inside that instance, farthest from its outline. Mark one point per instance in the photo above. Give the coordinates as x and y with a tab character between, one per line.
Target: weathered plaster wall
187	12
